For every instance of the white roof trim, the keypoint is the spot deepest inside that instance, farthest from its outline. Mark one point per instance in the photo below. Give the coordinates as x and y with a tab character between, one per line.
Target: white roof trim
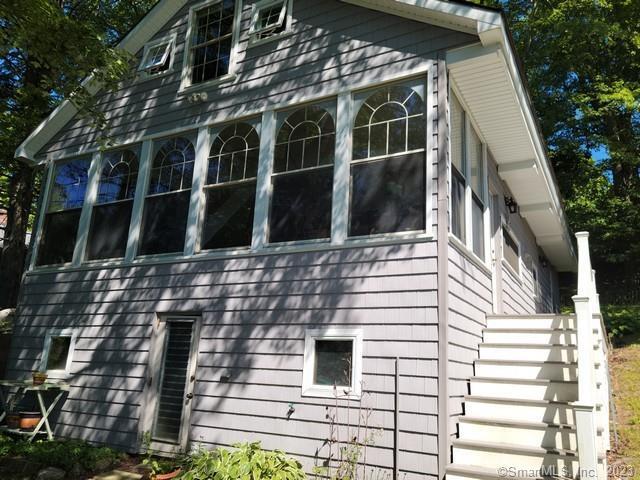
135	40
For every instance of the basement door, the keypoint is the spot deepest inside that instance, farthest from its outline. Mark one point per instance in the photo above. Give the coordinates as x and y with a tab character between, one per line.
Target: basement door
171	381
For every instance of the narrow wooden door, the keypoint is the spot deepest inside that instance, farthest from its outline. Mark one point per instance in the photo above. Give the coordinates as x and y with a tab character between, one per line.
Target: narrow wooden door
171	383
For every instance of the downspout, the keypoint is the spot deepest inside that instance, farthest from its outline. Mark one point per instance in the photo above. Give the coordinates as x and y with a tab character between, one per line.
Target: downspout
443	270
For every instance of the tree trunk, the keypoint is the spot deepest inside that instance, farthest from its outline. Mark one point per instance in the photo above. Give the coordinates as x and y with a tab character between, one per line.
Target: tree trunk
14	252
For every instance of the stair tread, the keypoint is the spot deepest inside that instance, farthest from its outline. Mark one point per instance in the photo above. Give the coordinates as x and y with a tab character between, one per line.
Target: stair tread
529	345
529	330
525	362
514	448
517	423
516	400
537	381
478	471
482	398
541	316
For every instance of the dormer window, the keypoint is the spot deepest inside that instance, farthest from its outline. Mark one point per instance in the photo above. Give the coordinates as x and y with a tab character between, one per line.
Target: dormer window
270	18
210	42
158	56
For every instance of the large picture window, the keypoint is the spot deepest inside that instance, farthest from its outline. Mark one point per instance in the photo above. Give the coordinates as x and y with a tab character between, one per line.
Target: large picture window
302	177
468	178
388	174
164	223
231	188
62	216
111	215
211	41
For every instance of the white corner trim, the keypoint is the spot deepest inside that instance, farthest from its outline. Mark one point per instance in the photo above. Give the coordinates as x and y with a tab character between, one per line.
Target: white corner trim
63	113
309	389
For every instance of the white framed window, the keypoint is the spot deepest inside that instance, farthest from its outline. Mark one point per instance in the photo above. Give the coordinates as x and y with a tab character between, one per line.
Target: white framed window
302	177
510	250
230	188
158	56
111	215
269	19
166	205
332	363
468	180
63	210
388	168
57	355
210	44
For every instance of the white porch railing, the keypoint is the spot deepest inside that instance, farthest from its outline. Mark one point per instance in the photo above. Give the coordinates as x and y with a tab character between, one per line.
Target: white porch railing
592	408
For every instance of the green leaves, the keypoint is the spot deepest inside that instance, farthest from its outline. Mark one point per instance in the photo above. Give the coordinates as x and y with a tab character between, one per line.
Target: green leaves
247	462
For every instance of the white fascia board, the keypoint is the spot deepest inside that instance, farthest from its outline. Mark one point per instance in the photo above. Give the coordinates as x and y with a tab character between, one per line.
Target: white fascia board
159	15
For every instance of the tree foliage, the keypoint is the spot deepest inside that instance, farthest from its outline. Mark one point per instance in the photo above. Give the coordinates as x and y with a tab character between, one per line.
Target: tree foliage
47	49
582	61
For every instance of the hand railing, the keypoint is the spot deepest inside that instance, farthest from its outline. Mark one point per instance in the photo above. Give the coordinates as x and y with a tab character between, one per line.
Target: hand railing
592	407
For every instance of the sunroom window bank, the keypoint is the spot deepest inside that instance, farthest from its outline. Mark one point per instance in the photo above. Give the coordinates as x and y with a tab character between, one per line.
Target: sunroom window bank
306	141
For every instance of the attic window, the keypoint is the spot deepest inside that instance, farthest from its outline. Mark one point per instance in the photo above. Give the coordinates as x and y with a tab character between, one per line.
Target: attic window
269	19
157	56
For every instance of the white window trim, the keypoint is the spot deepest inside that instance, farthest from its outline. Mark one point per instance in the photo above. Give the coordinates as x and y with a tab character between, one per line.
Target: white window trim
309	389
67	332
286	18
267	125
468	197
170	40
185	82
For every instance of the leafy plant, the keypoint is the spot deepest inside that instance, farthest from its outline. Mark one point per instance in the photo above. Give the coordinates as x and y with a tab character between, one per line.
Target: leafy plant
155	464
622	322
247	462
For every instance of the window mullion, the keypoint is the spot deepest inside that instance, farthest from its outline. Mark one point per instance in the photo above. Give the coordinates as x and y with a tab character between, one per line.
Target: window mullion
342	158
42	212
263	181
87	207
199	175
138	200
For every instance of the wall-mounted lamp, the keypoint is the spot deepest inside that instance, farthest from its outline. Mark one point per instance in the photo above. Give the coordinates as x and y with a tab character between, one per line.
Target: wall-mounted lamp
511	204
543	261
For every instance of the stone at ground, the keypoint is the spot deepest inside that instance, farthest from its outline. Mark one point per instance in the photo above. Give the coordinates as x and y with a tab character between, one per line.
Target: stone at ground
118	475
51	473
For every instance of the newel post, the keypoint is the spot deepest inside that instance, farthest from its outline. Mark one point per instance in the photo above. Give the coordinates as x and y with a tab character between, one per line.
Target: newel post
584	408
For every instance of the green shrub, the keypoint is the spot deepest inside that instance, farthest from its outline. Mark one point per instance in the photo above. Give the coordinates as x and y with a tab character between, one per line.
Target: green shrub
247	462
73	456
622	322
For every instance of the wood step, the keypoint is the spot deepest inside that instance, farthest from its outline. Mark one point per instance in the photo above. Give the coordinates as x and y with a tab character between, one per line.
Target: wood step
489	407
517	432
533	389
526	369
560	462
531	321
537	336
529	352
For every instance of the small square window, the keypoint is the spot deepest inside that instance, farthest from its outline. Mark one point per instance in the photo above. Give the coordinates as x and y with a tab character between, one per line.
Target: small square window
270	18
58	352
332	358
158	56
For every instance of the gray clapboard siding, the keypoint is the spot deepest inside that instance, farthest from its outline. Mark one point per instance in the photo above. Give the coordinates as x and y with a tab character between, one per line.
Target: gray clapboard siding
334	46
252	332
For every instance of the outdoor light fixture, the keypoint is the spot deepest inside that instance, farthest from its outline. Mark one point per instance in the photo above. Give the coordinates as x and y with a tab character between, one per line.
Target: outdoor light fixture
543	261
511	204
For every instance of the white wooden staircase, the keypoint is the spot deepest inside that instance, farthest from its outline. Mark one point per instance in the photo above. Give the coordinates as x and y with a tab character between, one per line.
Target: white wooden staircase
538	403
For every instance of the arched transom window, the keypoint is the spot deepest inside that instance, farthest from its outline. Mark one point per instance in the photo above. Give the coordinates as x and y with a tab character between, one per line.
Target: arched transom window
111	215
302	177
388	169
231	188
166	209
172	166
